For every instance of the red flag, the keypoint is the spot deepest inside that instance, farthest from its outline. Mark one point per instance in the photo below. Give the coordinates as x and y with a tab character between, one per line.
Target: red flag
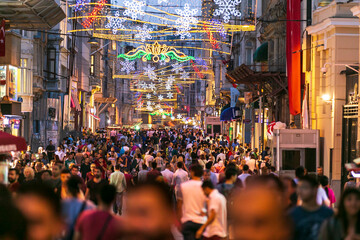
293	60
2	38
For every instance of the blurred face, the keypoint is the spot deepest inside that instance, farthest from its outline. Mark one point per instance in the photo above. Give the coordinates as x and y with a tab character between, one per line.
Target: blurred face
43	224
207	191
352	205
74	171
64	177
92	167
12	176
56	170
97	173
258	215
45	176
305	191
146	214
27	173
207	176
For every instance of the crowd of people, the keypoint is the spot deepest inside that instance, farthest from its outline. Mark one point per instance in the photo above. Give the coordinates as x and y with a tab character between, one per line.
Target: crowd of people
168	184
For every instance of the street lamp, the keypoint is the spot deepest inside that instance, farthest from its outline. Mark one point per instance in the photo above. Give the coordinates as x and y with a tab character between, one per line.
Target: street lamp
326	98
93	41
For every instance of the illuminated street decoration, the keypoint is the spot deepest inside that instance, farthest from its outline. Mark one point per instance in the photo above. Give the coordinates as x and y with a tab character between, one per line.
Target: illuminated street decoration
92	16
160	97
149	71
201	62
115	23
171	79
177	67
80	5
161	1
227	8
183	23
144	33
148	96
134	8
152	86
127	66
184	75
219	28
156	52
170	95
196	69
213	41
179	116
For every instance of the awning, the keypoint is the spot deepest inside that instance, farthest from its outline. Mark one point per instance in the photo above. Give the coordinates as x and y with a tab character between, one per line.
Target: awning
31	14
75	103
261	53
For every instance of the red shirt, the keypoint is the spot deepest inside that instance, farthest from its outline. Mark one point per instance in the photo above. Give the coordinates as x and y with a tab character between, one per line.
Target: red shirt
91	223
13	187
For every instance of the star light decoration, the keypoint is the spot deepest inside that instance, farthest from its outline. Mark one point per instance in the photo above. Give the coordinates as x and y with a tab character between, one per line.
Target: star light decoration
149	71
184	75
134	8
152	86
144	33
179	116
115	23
80	5
127	66
160	97
148	96
182	24
227	8
170	95
143	85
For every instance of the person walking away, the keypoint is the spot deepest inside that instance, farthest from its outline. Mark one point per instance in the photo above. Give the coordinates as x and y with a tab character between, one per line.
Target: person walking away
50	150
215	228
180	176
191	202
244	175
167	174
309	216
117	179
346	223
100	223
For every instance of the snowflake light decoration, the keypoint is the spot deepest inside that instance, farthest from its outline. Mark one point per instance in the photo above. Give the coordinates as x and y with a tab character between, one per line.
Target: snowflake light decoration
227	8
150	108
149	71
160	97
148	96
134	8
162	72
161	1
170	95
80	5
144	33
177	67
158	106
152	86
186	18
171	79
115	23
179	116
184	75
162	62
161	110
127	66
148	103
167	86
140	104
143	85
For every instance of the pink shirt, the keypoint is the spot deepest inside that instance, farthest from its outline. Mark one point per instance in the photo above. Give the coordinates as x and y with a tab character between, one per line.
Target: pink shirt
331	196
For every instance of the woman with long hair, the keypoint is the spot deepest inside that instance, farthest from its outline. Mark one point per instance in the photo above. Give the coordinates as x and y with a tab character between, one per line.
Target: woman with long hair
345	225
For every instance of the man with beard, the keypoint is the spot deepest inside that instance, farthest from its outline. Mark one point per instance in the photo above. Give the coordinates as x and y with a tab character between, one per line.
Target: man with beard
13	178
94	185
147	205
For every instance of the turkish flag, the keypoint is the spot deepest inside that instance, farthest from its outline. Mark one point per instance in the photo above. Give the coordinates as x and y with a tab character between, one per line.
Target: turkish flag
2	38
293	55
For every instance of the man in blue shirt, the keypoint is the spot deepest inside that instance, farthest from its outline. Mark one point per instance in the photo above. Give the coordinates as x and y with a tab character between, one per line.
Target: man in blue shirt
308	217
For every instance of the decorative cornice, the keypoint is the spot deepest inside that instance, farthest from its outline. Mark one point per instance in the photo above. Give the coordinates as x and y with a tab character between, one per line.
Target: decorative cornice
356	11
330	23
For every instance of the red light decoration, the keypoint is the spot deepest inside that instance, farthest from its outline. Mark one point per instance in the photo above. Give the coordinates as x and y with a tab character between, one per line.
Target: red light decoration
200	75
214	43
92	16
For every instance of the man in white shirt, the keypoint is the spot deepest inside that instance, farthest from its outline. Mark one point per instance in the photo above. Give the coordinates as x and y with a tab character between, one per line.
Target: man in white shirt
191	202
221	156
117	179
149	157
167	174
251	163
244	175
180	176
216	224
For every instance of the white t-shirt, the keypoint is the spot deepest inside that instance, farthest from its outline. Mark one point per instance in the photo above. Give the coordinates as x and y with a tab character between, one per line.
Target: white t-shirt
193	199
168	175
217	202
243	177
221	156
321	196
252	164
148	158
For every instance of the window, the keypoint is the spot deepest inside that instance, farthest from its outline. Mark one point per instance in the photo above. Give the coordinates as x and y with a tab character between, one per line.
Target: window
24	76
92	65
248	56
52	63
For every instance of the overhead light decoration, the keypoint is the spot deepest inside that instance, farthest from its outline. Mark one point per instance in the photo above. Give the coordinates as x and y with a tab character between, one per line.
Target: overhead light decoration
160	97
115	23
179	116
152	86
177	67
219	28
184	75
227	8
156	52
148	96
170	95
149	71
182	24
92	16
212	39
196	69
162	1
80	5
127	66
144	33
134	8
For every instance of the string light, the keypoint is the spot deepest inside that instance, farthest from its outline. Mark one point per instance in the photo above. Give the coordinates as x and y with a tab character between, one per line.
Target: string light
227	8
134	8
115	23
183	23
92	16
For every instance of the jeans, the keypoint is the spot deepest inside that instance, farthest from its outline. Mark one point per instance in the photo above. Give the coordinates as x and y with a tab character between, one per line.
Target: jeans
189	230
118	203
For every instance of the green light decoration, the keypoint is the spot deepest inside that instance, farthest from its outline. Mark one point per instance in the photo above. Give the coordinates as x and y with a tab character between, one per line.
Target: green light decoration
157	113
156	52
